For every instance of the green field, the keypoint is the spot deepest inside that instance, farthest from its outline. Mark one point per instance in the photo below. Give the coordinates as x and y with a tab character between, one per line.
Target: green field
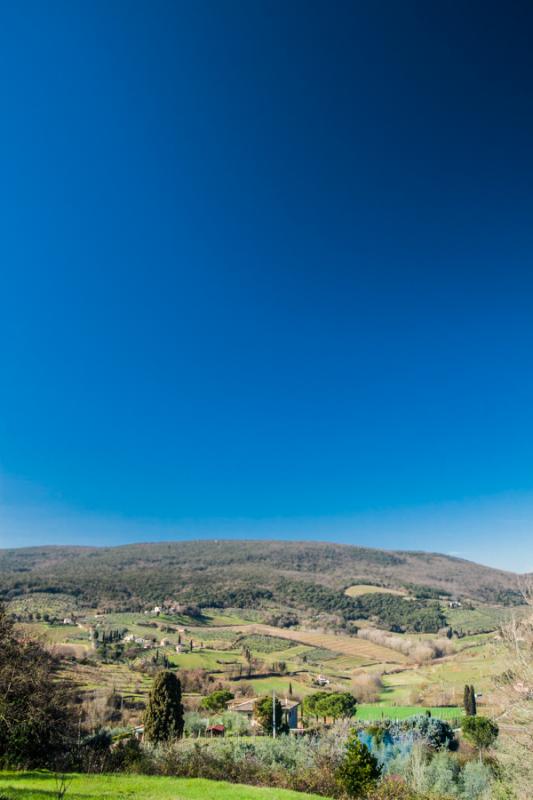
408	688
42	786
376	711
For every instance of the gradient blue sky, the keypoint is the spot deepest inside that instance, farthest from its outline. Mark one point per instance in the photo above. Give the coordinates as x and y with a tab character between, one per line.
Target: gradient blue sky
266	269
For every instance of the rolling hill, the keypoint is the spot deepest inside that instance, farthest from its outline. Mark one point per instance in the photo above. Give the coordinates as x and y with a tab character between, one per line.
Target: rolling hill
244	574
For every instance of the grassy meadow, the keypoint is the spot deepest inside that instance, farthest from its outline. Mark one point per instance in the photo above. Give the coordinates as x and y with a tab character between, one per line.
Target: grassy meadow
366	588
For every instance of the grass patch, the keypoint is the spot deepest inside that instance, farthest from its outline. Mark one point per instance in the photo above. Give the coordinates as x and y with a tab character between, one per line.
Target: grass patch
42	786
366	588
377	711
279	684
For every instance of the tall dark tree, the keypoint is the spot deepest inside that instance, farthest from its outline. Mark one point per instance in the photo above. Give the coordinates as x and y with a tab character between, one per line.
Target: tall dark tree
163	718
466	699
473	704
469	701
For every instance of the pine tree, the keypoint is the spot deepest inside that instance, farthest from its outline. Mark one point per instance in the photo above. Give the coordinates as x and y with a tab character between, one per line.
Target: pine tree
359	771
163	719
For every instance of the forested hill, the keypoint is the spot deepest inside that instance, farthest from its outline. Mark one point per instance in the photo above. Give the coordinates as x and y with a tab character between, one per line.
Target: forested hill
241	573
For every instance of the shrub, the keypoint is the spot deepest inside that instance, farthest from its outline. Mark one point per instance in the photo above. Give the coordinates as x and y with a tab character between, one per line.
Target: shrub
482	732
264	711
442	775
477	779
367	687
394	788
434	732
94	750
194	724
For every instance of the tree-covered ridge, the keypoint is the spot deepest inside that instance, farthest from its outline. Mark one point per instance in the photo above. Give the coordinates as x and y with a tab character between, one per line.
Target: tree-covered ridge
305	576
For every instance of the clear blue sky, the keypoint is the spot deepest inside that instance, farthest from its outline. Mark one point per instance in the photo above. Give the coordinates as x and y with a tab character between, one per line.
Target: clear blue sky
267	270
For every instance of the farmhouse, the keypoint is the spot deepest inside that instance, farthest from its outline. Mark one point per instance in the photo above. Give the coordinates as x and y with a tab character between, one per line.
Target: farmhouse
146	643
289	709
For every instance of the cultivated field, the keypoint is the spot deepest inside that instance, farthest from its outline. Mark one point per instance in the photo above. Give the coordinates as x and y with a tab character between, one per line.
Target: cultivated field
366	588
379	711
286	660
366	653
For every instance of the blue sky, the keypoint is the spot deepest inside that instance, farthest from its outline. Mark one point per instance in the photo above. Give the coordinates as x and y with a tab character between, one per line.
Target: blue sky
266	269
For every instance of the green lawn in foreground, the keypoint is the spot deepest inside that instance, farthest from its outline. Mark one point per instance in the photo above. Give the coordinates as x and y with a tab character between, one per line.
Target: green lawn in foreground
42	786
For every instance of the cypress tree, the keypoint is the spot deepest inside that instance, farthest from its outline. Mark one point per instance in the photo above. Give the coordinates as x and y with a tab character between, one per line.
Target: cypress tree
466	699
163	718
473	704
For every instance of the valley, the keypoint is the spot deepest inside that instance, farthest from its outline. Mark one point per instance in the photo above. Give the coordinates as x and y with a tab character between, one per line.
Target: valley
306	622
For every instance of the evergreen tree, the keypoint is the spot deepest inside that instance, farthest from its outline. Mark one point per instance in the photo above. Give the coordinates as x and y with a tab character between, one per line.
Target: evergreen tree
467	705
359	770
163	718
473	704
217	701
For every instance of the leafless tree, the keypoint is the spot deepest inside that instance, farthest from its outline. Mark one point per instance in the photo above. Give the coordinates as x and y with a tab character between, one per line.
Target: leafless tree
516	691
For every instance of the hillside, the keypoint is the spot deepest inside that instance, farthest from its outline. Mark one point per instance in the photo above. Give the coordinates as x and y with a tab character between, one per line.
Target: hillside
247	574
